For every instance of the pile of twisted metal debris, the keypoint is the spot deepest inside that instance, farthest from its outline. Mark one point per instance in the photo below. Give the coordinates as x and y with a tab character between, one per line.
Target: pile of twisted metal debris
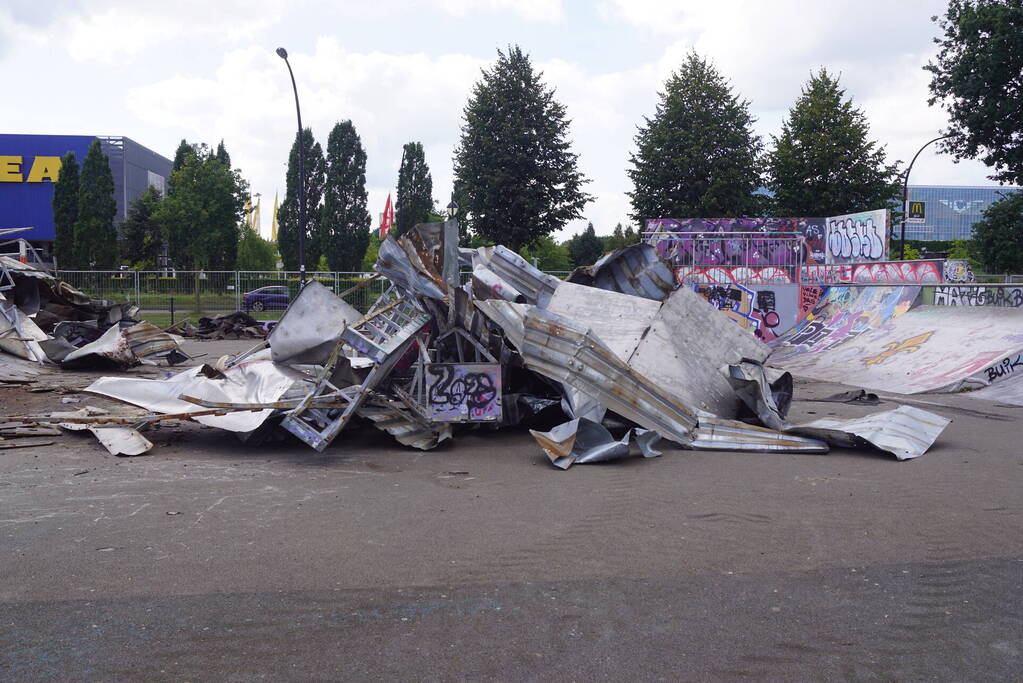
46	320
620	348
237	325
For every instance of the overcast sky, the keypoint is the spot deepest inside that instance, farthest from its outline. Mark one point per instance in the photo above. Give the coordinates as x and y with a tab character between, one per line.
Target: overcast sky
402	69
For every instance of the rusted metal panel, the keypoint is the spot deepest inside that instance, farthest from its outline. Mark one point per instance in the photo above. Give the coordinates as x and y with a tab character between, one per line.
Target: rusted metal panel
717	434
569	352
905	432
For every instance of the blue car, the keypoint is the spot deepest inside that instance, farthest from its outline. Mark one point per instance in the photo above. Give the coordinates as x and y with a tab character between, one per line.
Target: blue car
266	299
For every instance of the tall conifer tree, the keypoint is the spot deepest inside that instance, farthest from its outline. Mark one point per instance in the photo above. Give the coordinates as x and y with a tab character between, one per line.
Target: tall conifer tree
65	213
345	221
95	234
414	202
288	213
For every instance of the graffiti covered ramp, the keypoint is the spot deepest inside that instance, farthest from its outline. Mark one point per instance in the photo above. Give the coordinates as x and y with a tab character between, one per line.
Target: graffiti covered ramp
868	338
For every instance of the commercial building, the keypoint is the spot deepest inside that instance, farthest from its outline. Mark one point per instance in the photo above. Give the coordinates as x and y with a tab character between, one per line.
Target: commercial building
30	165
949	211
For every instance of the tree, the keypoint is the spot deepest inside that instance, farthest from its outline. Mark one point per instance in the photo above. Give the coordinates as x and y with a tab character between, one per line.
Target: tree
199	220
369	259
549	255
585	249
414	203
287	214
823	164
698	156
254	252
344	225
998	237
183	152
95	234
142	235
222	155
978	78
515	176
65	213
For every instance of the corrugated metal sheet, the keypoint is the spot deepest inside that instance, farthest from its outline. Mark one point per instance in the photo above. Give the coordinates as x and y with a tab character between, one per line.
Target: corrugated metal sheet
906	432
533	283
564	350
581	441
717	434
635	270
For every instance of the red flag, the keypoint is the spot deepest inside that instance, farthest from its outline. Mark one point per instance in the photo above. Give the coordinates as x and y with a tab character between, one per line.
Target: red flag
387	221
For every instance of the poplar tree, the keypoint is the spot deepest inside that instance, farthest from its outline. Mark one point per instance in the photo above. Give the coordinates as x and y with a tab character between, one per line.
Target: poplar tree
288	213
95	234
414	203
824	163
65	213
344	223
698	156
142	235
516	177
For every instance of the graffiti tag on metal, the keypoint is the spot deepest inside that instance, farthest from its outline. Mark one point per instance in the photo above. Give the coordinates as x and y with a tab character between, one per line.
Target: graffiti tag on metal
464	392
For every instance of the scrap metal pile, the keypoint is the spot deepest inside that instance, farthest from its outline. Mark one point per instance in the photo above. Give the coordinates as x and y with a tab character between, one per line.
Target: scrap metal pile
625	355
46	320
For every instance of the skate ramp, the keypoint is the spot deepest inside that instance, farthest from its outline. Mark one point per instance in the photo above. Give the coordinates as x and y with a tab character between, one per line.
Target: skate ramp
871	338
1006	391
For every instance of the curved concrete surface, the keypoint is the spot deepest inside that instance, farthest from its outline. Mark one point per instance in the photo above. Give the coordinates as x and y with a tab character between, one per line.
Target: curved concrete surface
872	338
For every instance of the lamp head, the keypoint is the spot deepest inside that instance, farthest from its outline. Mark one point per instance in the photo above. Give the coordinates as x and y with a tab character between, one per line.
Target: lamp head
452	208
282	53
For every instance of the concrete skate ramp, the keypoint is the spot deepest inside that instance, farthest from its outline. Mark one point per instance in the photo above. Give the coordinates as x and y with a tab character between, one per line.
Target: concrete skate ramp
1007	391
868	338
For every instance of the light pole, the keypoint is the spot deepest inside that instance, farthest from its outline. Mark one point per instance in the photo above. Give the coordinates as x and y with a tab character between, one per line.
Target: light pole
905	195
283	54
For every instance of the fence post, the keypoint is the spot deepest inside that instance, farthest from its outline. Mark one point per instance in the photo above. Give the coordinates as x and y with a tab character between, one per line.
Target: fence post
138	291
237	291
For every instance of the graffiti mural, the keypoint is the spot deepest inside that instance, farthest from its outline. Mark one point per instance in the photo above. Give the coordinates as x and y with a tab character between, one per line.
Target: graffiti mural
841	315
957	270
464	392
954	295
858	237
765	310
691	241
809	295
894	348
1006	368
723	275
735	301
909	272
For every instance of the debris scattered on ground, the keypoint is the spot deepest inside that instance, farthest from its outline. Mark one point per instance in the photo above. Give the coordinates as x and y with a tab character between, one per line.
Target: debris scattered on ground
623	354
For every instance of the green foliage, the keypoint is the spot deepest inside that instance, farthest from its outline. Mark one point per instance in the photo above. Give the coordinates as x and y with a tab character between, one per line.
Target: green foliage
222	155
65	213
288	213
142	235
515	176
345	221
254	252
698	155
823	163
199	219
585	249
182	153
549	255
414	203
911	253
620	238
95	234
999	235
978	78
965	249
322	266
372	251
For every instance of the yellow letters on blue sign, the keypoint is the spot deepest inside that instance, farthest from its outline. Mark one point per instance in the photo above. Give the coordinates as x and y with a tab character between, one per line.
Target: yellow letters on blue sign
44	168
10	169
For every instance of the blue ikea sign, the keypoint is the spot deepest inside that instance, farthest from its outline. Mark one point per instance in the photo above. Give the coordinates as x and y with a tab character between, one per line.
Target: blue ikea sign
29	166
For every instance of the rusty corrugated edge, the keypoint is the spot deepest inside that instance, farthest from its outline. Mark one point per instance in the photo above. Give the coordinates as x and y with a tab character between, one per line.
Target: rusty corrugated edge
536	285
718	434
569	352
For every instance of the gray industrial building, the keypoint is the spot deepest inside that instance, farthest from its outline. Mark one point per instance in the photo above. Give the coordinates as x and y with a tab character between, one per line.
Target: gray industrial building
950	210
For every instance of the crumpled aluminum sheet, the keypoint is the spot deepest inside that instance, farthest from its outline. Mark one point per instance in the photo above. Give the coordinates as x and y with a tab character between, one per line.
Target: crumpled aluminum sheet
122	440
394	263
569	352
248	382
509	316
19	335
486	284
407	431
581	441
531	282
126	347
906	432
719	434
766	391
635	269
311	327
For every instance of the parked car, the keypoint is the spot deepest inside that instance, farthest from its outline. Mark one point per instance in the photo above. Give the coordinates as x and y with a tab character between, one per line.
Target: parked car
266	299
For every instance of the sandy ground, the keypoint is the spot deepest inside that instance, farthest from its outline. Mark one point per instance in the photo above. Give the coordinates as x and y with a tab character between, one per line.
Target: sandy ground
207	559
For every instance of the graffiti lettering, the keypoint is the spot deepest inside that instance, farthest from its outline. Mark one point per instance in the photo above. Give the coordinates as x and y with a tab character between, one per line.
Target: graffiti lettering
771	275
1011	297
853	240
893	348
957	270
1006	367
733	300
808	298
912	272
464	392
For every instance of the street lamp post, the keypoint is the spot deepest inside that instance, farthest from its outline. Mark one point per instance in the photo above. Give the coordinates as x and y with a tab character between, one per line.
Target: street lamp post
905	195
283	54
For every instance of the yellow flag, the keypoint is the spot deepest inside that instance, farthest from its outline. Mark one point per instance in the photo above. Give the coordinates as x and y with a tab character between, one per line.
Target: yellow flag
273	222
